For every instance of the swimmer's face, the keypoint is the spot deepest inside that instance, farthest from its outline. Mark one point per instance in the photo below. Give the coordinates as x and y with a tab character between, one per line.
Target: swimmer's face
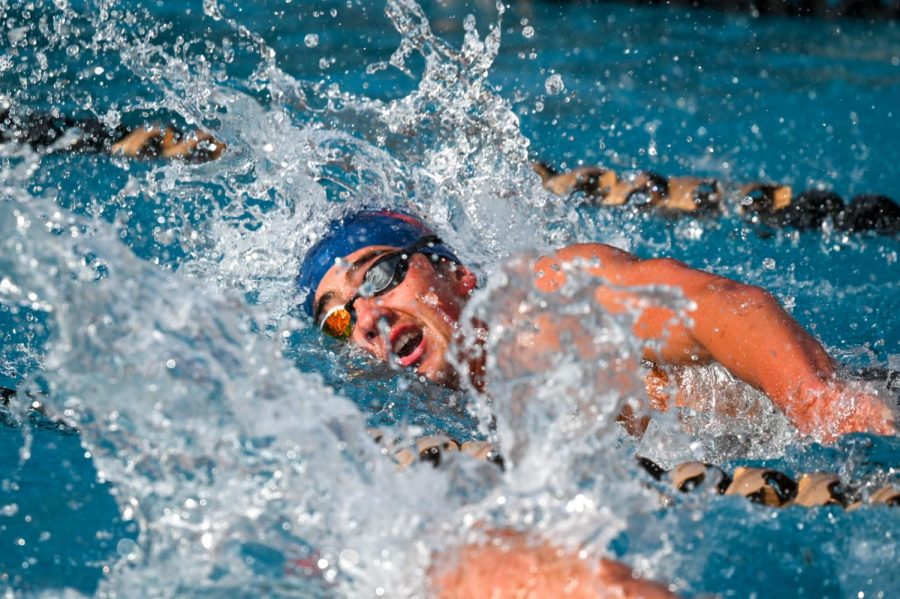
412	324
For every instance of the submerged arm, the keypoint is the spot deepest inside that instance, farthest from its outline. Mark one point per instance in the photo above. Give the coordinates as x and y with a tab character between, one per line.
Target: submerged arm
511	564
740	326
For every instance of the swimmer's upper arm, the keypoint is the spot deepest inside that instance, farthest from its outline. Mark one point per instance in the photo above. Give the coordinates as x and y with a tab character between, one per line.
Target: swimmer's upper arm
603	260
621	269
690	338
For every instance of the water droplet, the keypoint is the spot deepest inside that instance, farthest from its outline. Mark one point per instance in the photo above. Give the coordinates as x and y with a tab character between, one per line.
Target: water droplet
128	549
311	40
554	84
348	558
211	9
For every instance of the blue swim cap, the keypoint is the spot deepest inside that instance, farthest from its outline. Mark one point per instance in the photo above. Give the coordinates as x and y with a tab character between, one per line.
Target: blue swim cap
355	231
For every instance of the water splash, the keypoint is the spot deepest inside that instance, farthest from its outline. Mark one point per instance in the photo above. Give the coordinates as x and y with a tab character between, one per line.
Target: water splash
159	306
185	407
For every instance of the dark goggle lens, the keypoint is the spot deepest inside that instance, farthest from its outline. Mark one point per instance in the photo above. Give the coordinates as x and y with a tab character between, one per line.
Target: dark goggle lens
384	275
338	323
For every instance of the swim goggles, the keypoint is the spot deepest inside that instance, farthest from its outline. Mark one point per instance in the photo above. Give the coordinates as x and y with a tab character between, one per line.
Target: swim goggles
385	273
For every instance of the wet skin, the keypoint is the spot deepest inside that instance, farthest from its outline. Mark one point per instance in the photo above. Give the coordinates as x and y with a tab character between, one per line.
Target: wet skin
414	323
740	326
510	564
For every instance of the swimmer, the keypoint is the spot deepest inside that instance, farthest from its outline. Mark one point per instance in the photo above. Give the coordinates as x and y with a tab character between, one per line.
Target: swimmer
384	282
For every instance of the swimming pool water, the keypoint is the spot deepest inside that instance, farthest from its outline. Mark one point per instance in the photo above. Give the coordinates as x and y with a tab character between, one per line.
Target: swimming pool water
213	441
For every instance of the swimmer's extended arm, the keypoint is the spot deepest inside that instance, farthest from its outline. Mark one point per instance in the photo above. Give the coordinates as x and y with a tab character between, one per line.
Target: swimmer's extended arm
740	326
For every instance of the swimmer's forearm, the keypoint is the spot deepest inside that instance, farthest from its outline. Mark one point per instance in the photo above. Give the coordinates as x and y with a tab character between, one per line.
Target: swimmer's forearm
746	330
740	326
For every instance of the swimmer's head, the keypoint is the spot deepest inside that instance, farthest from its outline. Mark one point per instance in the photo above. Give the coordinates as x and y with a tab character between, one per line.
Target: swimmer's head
384	282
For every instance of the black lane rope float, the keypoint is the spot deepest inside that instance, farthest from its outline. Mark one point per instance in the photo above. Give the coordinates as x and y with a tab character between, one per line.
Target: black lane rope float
765	486
766	203
49	132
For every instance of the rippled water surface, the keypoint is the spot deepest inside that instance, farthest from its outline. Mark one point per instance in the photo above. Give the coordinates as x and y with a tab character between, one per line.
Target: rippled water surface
200	439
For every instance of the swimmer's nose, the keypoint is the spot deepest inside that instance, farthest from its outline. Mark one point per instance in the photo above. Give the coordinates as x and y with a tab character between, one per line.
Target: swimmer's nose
371	319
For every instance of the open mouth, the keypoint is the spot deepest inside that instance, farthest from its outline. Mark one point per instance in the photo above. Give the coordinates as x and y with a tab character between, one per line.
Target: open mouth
408	344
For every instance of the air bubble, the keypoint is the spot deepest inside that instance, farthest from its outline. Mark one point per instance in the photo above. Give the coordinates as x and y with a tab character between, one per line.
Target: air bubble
554	84
128	549
311	40
528	32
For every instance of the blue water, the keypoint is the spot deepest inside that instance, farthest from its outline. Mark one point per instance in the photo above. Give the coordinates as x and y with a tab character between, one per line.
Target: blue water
806	102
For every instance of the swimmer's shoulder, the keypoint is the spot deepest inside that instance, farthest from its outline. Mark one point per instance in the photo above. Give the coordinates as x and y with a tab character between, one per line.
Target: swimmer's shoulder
549	269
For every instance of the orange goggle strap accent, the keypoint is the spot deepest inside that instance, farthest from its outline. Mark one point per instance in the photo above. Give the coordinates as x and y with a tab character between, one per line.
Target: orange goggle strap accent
338	322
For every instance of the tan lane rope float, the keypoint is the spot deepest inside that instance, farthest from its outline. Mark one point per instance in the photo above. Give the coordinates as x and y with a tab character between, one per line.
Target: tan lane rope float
774	204
759	485
765	486
167	142
669	194
53	132
432	448
776	489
